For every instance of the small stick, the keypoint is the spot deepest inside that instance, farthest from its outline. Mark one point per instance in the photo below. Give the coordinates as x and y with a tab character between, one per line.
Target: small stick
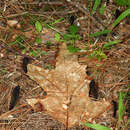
42	3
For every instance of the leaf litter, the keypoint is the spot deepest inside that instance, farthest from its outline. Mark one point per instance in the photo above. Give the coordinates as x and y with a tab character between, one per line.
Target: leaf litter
112	77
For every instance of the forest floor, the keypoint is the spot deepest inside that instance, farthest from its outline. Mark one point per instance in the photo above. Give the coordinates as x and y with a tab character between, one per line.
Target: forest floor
35	29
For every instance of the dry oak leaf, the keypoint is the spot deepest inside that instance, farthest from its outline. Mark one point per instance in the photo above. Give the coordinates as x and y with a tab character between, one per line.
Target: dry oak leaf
67	90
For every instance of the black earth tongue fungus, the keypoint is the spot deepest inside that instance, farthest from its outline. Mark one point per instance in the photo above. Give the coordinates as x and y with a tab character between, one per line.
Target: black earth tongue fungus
88	72
107	2
25	63
117	13
115	108
14	97
71	20
93	89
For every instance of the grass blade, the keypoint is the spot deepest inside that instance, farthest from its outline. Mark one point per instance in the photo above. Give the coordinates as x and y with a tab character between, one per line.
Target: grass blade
100	33
102	9
109	44
121	17
96	126
96	4
57	21
121	108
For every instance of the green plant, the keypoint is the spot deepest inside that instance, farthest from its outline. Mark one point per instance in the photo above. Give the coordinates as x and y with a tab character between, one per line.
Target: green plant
96	4
57	37
38	40
37	53
56	21
102	9
109	44
99	54
121	107
51	24
48	44
96	126
49	66
122	2
72	49
3	71
121	17
19	40
38	27
96	34
121	112
71	37
117	21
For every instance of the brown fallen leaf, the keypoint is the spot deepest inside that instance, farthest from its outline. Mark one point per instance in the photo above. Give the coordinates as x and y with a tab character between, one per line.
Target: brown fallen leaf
67	90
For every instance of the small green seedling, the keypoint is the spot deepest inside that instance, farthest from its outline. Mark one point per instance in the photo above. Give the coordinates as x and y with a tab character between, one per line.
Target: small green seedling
72	34
71	37
99	54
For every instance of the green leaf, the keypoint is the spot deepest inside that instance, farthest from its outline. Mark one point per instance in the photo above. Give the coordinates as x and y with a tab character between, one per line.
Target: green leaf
109	44
77	37
38	27
102	9
72	49
33	53
96	126
73	29
100	33
57	37
38	40
96	4
67	36
121	17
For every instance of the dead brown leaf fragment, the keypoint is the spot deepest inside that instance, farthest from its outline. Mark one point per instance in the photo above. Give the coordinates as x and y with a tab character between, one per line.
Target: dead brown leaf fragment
67	90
